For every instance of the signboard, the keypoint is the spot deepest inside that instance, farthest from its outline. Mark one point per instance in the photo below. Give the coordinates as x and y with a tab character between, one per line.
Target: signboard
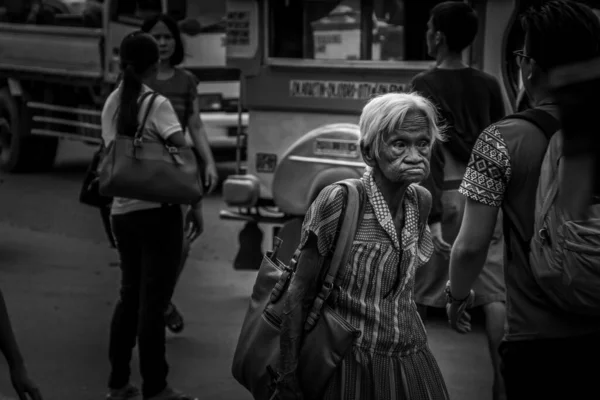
238	28
345	90
336	148
242	29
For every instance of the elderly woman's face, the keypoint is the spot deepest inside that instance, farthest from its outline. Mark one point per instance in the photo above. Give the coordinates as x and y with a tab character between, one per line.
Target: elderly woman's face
405	154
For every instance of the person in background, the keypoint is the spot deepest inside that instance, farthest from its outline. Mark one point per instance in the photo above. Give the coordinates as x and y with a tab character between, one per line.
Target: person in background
468	100
547	352
180	87
23	385
149	235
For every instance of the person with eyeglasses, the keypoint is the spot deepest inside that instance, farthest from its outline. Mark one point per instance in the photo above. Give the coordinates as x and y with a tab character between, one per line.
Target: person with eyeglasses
548	351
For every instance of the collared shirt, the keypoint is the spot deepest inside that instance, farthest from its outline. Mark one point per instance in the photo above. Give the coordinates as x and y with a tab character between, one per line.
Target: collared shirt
376	286
391	359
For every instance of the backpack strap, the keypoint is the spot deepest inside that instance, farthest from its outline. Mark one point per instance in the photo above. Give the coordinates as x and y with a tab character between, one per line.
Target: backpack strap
424	199
543	120
355	207
549	125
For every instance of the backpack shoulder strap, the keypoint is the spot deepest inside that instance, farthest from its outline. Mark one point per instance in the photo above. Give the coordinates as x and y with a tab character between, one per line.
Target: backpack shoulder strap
353	213
352	217
541	119
549	125
424	200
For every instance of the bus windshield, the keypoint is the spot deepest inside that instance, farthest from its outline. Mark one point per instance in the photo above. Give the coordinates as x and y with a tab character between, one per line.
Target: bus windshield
370	30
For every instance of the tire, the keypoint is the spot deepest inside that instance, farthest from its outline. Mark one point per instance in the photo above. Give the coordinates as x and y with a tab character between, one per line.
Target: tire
19	151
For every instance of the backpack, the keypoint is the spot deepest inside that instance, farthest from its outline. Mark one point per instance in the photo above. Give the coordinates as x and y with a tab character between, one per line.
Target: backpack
564	254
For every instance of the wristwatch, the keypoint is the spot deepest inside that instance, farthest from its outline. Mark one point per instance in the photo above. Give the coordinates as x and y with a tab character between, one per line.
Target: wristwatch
451	299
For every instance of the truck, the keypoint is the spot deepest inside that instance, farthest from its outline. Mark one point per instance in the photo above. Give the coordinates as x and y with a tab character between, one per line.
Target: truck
55	76
308	67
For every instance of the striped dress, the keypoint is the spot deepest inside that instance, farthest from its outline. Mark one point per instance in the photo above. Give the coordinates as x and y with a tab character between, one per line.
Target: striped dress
391	360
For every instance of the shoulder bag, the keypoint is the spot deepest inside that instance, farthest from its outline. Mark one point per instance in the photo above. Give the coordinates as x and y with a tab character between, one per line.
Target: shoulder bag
327	336
140	167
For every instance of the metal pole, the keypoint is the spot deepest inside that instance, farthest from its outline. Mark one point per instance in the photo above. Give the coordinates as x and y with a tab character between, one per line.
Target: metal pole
366	27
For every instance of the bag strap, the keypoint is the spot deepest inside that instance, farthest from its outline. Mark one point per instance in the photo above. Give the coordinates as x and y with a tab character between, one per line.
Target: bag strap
153	97
424	200
348	229
549	125
543	120
355	206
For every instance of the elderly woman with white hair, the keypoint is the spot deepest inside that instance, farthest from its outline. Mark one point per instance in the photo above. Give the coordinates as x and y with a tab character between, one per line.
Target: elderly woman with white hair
374	291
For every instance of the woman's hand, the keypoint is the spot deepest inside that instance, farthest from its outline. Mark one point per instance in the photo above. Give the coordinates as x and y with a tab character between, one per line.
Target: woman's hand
211	177
440	245
194	223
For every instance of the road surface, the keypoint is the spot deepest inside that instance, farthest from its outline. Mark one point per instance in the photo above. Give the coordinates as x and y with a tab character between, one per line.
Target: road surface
60	291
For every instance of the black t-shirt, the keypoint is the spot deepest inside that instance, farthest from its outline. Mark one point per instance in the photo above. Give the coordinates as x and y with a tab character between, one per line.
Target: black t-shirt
468	100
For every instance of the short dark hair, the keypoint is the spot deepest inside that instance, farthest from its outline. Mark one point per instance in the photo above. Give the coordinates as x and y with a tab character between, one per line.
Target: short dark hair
178	54
457	21
561	32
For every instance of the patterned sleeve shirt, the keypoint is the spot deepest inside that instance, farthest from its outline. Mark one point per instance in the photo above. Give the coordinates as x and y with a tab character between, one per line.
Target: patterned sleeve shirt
504	171
488	172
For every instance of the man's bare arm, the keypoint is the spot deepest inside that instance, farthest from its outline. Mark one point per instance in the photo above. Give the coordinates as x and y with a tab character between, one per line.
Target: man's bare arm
471	246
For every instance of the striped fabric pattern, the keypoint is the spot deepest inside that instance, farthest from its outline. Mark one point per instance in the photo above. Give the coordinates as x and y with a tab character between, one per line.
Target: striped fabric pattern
391	359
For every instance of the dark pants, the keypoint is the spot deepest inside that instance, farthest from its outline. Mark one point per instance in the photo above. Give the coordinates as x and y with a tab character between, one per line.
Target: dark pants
149	244
551	369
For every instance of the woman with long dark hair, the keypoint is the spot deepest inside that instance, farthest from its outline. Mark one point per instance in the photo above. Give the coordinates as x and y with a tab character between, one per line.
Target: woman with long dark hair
180	87
149	236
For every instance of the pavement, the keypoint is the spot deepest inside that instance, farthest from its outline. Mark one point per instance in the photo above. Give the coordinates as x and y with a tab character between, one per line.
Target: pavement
60	291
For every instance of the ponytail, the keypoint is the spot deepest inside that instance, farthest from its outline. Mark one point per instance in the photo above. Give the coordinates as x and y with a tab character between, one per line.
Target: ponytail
127	114
138	53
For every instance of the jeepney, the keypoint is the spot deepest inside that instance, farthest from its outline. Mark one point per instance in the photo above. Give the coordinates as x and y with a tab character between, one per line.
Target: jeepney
308	67
55	76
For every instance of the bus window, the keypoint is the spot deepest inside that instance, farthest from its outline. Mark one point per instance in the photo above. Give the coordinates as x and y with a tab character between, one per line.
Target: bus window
376	30
132	12
200	17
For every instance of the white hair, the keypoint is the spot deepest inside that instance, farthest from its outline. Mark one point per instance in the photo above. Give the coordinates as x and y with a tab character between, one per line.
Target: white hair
387	112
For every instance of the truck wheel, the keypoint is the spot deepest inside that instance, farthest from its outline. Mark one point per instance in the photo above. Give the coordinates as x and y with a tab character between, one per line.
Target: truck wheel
19	151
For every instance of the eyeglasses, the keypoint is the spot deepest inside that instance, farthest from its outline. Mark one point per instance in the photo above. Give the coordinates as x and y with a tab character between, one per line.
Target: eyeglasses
520	56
